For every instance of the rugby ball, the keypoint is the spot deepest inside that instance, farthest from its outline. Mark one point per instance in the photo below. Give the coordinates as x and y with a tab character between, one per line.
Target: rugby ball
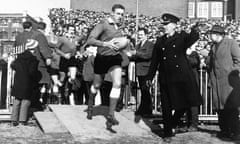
120	42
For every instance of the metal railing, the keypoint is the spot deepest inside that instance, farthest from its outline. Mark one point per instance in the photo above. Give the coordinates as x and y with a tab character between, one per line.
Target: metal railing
206	111
12	55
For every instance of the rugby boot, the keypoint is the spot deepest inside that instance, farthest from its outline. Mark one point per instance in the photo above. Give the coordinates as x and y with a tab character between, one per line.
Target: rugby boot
111	120
89	113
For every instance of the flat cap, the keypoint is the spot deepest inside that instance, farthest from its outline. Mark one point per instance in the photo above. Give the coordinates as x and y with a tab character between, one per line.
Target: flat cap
217	29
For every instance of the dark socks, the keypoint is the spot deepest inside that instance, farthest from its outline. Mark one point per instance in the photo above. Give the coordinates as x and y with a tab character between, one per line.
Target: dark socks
112	106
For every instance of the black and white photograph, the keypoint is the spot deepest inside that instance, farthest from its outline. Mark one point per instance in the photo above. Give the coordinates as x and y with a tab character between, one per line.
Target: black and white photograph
120	72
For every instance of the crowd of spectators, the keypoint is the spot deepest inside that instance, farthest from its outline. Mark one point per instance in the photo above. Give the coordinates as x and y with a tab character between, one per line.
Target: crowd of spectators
87	19
83	19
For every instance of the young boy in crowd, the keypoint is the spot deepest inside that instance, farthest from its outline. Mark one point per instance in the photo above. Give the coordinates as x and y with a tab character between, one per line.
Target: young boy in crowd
26	81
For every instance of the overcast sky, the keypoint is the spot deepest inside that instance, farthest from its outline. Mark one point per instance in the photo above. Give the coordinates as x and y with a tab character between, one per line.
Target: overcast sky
36	8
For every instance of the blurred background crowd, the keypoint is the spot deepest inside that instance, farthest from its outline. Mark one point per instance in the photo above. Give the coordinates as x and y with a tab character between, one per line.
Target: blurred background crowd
81	19
85	20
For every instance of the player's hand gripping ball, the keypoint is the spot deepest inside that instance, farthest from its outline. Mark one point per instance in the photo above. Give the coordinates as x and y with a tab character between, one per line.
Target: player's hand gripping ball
120	42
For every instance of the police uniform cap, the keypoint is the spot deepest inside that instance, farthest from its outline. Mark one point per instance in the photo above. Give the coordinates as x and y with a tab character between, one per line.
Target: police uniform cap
169	18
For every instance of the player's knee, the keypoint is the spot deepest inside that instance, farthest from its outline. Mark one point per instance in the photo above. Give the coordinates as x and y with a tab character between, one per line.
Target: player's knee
115	93
117	85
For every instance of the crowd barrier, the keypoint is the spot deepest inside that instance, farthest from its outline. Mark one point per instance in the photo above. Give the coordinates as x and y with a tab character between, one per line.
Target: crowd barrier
12	55
132	93
206	111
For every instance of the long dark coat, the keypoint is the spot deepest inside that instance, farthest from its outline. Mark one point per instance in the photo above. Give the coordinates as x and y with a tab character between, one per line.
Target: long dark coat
22	37
194	60
224	74
175	74
26	75
42	52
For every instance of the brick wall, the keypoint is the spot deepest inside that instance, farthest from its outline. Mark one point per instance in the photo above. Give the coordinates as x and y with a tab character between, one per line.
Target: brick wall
237	9
147	7
231	8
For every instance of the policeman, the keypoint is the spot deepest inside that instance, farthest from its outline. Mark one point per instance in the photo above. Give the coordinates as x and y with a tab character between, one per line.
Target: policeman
178	87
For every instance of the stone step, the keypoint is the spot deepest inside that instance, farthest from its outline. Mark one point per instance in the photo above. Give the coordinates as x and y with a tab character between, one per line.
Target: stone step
145	123
85	131
49	123
5	115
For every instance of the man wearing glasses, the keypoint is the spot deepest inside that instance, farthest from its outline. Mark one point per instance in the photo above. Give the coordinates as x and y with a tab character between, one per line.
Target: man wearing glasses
108	60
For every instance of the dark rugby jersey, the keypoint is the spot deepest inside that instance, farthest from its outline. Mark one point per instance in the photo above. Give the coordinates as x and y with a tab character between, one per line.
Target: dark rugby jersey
66	45
106	30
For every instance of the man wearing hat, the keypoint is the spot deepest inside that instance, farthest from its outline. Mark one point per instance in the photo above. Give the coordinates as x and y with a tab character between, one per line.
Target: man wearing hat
178	86
225	81
22	37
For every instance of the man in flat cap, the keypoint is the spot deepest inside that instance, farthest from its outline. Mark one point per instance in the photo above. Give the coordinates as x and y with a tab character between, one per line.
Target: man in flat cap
225	81
178	86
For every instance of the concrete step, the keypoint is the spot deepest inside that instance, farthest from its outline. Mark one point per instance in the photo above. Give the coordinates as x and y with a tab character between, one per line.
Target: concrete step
145	123
84	130
49	123
5	115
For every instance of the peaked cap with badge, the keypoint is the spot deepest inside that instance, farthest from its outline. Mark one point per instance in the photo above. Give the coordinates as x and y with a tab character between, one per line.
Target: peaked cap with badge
169	18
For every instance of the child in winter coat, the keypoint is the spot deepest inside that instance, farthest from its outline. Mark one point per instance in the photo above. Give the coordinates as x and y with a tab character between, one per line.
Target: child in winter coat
25	82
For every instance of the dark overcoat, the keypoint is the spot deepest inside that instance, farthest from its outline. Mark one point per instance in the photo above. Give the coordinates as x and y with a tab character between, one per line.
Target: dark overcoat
175	74
22	37
194	60
42	52
224	74
26	75
143	58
